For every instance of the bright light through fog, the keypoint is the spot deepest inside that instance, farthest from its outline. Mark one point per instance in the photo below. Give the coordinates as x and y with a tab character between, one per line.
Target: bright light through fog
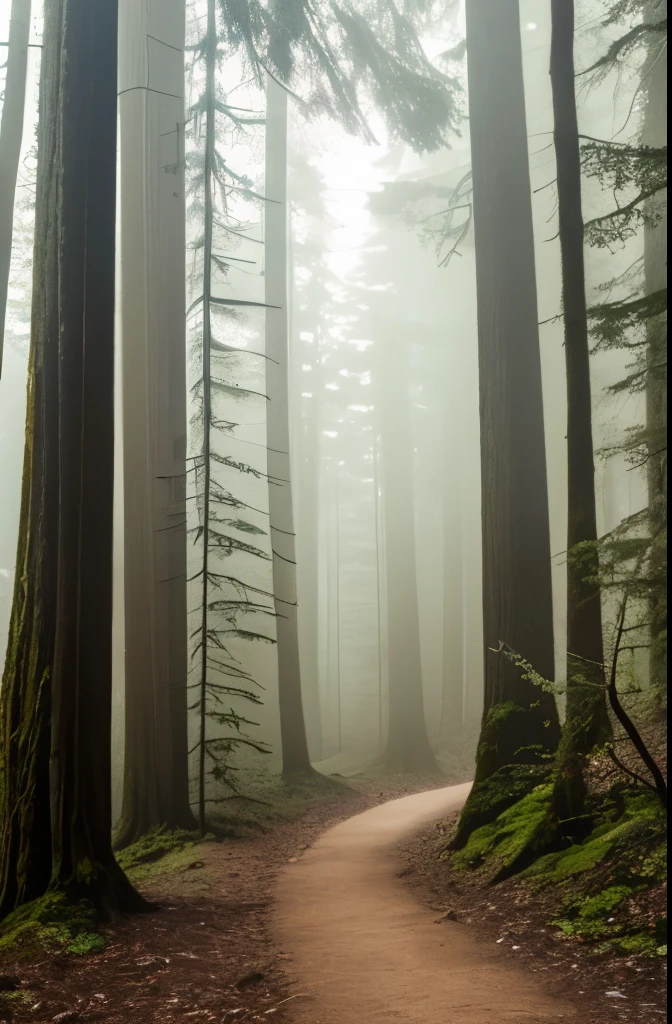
531	25
332	387
306	394
306	367
330	433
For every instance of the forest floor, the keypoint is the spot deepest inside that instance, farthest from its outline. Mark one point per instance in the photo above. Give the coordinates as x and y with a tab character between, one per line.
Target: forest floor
212	952
520	918
206	955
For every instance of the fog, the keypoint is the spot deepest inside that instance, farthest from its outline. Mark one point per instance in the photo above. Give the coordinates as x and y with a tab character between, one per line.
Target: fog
383	408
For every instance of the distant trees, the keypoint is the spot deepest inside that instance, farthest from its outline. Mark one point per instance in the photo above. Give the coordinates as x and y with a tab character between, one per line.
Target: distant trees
295	757
520	722
11	135
56	695
408	748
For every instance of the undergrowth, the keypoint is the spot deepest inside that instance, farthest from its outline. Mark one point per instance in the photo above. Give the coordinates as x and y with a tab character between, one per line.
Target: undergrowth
52	923
602	885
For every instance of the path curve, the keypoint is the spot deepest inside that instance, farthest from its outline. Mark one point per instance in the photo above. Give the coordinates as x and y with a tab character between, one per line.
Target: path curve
362	950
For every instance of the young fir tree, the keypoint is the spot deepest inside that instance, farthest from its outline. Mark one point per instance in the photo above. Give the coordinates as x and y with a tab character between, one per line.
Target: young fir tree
520	725
11	136
226	602
56	696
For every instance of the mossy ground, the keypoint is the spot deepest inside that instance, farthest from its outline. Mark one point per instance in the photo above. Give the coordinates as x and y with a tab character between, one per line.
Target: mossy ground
602	885
51	923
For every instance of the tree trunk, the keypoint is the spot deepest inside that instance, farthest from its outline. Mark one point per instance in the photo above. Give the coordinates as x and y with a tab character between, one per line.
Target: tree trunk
208	225
61	652
307	432
295	758
11	136
587	721
655	277
25	698
452	699
408	748
156	784
517	596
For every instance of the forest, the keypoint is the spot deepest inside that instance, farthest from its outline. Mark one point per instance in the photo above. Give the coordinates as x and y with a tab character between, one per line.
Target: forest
333	511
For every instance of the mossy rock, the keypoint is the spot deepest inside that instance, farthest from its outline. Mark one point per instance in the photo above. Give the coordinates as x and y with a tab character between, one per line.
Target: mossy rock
52	923
491	797
515	835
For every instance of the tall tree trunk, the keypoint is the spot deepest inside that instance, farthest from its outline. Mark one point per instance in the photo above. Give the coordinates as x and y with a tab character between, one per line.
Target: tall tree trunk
295	758
60	657
80	775
25	697
156	784
408	748
587	721
655	277
520	721
208	218
11	136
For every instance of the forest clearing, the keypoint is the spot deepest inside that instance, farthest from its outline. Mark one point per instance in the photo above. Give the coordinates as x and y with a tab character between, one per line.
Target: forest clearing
333	511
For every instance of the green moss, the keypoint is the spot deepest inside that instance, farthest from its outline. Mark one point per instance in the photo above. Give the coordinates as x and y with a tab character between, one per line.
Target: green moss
159	851
640	944
53	923
515	833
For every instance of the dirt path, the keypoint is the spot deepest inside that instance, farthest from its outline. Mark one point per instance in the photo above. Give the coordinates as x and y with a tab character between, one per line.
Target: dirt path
362	950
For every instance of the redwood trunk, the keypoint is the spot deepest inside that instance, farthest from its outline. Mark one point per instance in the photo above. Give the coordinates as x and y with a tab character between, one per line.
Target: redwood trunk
84	34
517	595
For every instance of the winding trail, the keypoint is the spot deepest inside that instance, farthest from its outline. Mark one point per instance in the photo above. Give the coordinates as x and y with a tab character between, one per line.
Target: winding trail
364	951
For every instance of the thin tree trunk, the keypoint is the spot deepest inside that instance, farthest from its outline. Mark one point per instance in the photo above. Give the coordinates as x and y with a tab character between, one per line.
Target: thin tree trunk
156	784
587	720
408	748
11	136
83	36
295	757
517	596
655	277
210	140
307	544
452	697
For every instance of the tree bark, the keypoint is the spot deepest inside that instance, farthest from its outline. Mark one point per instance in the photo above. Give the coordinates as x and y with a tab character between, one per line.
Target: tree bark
517	595
25	698
156	782
655	277
408	748
11	136
80	775
587	721
295	757
56	814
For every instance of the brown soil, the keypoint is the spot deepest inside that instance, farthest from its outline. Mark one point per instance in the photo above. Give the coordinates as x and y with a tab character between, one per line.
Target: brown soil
513	918
364	949
205	956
